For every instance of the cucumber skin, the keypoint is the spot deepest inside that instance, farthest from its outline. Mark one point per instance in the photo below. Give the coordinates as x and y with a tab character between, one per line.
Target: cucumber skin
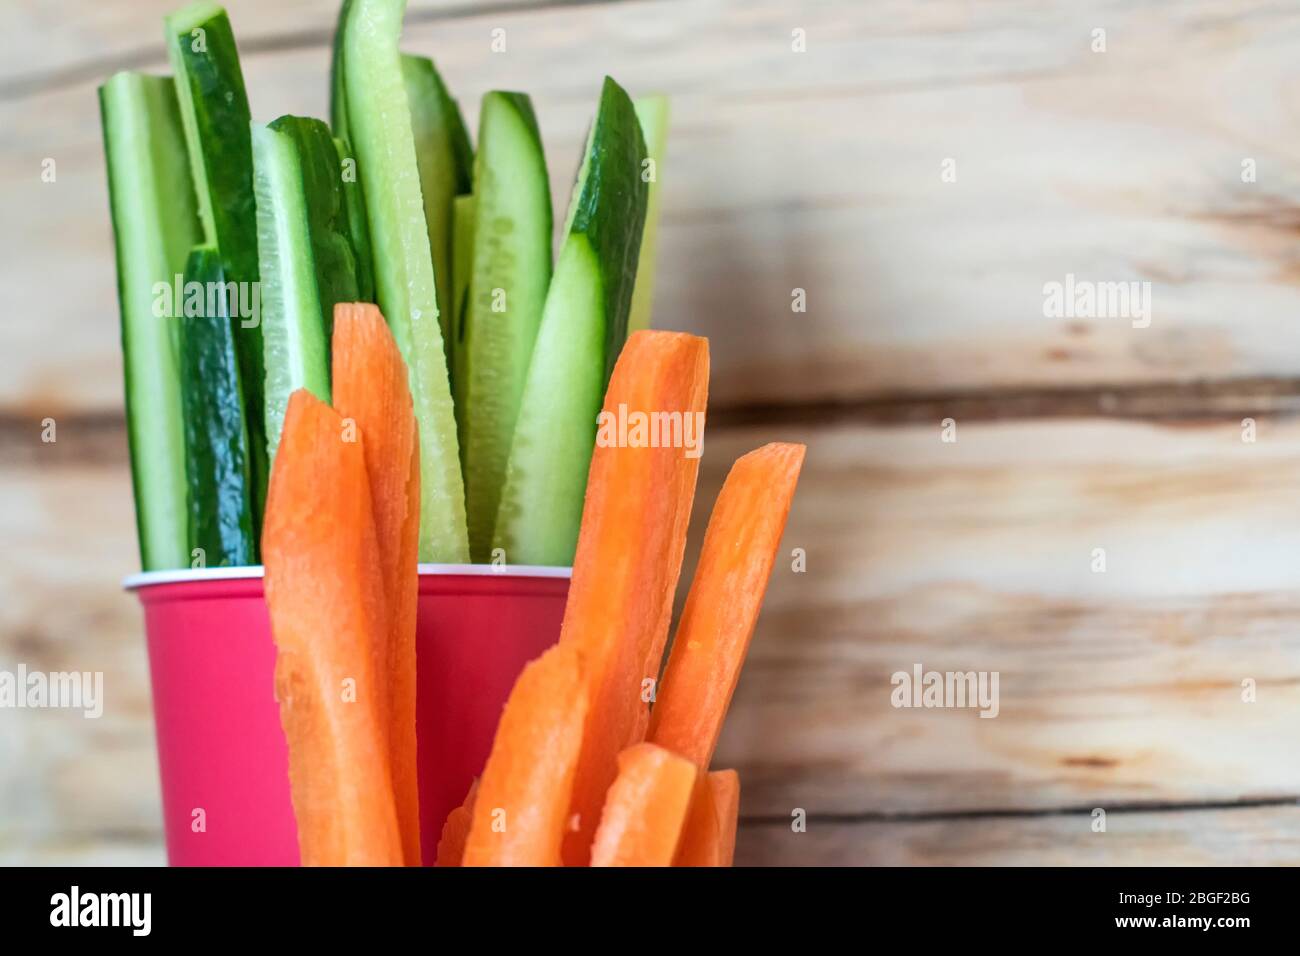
382	138
216	433
329	224
305	258
221	156
153	229
354	203
512	250
610	208
584	324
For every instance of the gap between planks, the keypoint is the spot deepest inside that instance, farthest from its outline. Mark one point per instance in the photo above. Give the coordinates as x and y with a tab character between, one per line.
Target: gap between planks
996	813
99	437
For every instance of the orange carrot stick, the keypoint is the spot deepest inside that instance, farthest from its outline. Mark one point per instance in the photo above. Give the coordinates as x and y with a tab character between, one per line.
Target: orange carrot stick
724	785
722	606
629	554
645	809
523	795
455	831
372	395
701	842
326	599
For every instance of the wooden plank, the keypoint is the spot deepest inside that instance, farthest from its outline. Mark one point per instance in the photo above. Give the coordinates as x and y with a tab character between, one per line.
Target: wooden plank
69	539
1122	687
1116	688
821	171
80	40
1251	836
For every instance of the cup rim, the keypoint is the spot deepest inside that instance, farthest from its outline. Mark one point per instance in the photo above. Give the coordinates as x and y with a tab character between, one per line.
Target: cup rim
145	579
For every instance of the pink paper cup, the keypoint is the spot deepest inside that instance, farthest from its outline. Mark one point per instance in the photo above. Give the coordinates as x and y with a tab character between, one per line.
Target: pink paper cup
221	752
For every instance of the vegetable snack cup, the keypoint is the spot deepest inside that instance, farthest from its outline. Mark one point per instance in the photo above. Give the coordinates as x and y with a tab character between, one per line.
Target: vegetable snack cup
221	751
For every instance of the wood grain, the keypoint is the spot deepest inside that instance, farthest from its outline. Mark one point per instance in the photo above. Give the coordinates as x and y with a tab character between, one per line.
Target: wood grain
77	40
1123	686
821	171
1250	836
1117	689
818	171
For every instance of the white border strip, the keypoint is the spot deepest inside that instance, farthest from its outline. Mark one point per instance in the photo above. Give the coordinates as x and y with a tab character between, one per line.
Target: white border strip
183	575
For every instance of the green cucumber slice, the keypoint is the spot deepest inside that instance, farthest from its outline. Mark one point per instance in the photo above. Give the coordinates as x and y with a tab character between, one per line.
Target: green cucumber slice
511	271
338	98
436	125
462	270
610	207
381	135
546	477
652	111
354	203
214	109
584	323
216	434
305	258
151	201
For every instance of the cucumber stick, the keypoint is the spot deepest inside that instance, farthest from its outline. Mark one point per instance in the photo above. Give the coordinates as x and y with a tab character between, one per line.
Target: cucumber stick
305	257
462	265
584	323
221	527
338	99
214	110
155	222
652	111
381	136
436	125
358	229
511	269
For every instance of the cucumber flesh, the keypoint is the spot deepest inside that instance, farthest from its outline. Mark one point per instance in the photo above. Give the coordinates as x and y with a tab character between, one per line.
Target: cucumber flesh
436	124
151	200
305	258
584	323
382	138
511	270
610	208
216	435
546	477
652	111
214	109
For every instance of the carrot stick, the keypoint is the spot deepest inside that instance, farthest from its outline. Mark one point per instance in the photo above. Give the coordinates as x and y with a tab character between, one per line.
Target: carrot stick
629	556
645	808
326	599
724	786
455	831
701	842
722	606
523	795
371	394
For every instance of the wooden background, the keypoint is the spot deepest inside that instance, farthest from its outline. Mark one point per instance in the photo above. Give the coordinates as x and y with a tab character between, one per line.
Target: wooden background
821	171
